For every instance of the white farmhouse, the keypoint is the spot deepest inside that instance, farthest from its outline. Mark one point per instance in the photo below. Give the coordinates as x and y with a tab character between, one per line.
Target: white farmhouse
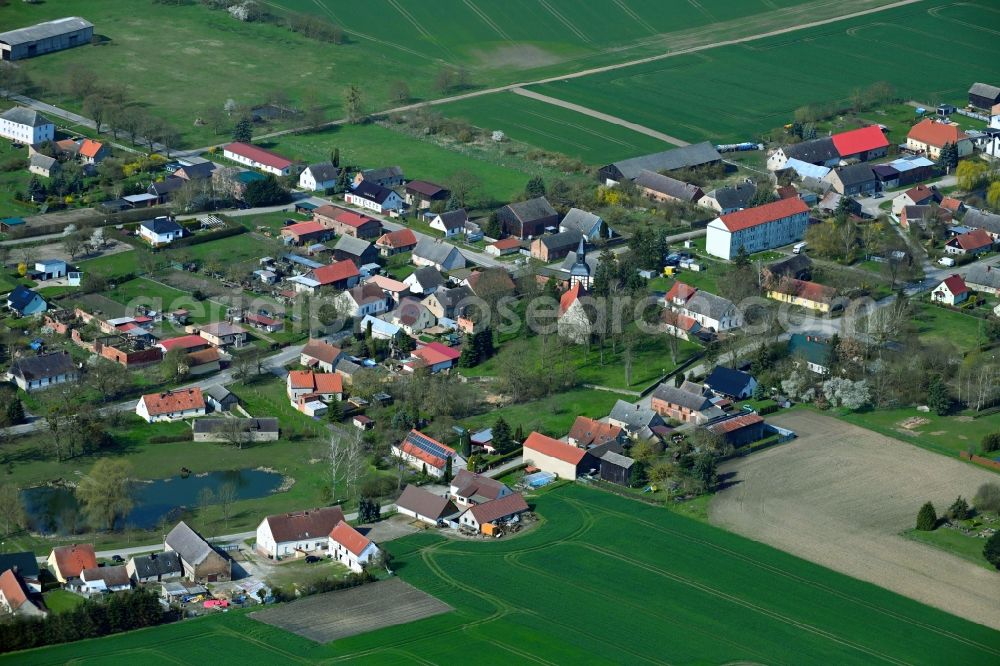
351	548
756	229
26	125
160	231
319	177
296	533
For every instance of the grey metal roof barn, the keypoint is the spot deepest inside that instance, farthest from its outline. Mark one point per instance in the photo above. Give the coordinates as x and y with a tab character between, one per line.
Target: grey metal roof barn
698	154
44	366
676	396
671	187
45	37
815	151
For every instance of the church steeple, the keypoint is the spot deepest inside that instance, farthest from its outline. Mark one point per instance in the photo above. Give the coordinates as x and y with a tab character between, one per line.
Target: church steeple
580	273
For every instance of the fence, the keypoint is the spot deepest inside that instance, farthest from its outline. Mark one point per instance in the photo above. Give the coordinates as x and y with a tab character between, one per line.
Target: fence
979	460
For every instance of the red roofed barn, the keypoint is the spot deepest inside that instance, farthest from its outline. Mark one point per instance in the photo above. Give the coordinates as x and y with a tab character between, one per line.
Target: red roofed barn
257	158
562	459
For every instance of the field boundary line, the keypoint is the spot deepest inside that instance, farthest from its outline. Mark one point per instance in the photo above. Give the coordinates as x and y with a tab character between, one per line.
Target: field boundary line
778	570
485	18
565	21
635	17
606	117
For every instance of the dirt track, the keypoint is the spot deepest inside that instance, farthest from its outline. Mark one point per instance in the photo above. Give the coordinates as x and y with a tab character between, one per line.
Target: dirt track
839	495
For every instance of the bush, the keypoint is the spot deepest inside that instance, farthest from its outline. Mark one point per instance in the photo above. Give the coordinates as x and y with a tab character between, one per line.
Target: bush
987	497
959	510
378	486
991	551
927	518
991	442
167	439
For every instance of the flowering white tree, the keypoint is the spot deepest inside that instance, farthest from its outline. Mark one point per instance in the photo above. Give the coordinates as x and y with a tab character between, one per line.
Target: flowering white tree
842	392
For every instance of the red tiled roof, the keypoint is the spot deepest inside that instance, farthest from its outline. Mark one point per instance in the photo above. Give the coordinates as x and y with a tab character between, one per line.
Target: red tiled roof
397	239
955	284
435	352
90	148
349	538
507	505
323	351
210	355
352	219
588	431
508	243
678	320
303	229
261	320
921	193
935	134
752	217
183	342
71	560
811	291
568	298
258	154
681	291
859	140
952	204
173	402
553	448
417	452
302	525
341	270
972	240
323	383
13	589
734	424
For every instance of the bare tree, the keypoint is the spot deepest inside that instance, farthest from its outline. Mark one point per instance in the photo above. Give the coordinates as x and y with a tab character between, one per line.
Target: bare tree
338	463
354	461
234	432
12	512
96	106
226	496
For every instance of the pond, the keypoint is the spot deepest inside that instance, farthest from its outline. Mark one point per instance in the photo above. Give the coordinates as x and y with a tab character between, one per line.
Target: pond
55	510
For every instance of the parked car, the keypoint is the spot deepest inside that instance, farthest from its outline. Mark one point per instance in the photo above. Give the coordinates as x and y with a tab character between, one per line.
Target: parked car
312	559
216	603
117	559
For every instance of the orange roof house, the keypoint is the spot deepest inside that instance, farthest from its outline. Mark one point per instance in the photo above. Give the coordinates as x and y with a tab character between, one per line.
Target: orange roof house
92	151
422	451
803	293
171	405
551	455
351	539
861	142
68	562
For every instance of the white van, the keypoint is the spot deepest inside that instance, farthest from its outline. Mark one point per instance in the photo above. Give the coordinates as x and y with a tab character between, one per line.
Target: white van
798	247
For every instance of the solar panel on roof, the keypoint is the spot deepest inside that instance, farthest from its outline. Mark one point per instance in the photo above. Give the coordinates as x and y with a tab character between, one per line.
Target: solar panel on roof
420	440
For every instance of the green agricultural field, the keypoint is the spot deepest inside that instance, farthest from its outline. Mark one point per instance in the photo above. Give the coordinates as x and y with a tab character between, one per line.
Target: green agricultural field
370	146
553	128
736	92
601	579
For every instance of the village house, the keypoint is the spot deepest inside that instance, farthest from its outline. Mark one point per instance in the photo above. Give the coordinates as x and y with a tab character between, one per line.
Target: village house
319	177
679	325
25	302
163	190
68	562
437	254
36	373
663	189
196	171
203	361
687	157
433	356
257	158
26	126
105	579
805	294
43	165
950	291
16	598
930	136
154	568
160	231
451	223
552	247
637	421
424	506
394	289
587	433
171	405
222	334
423	194
756	229
395	242
412	317
921	195
424	281
92	152
490	282
25	565
922	216
263	322
527	219
814	350
468	489
853	179
320	355
347	222
296	533
489	515
550	455
427	454
674	403
988	222
349	547
984	278
712	312
820	152
186	343
584	223
862	144
445	303
976	241
338	275
503	247
309	392
304	233
362	300
227	430
739	429
374	197
201	563
733	384
358	250
384	177
729	199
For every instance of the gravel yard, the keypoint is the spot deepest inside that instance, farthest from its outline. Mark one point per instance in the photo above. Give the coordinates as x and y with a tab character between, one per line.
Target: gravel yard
840	495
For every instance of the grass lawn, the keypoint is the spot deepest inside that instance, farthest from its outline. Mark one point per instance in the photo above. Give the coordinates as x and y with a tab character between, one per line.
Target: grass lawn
961	545
121	263
13	181
60	601
943	434
241	249
274	222
938	324
717	598
297	573
553	415
269	398
373	145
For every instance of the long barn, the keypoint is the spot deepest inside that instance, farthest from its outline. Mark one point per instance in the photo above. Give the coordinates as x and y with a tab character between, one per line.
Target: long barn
45	37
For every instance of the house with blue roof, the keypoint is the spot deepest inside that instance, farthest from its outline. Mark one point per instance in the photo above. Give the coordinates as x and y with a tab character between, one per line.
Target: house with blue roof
25	302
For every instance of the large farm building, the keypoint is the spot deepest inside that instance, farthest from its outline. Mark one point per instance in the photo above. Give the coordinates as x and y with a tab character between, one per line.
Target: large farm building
45	37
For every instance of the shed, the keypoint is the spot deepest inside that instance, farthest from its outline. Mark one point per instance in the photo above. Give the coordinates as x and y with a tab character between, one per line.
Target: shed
616	468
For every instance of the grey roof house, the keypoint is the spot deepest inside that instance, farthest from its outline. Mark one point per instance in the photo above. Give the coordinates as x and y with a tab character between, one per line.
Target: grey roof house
440	255
200	561
154	567
358	250
33	373
583	222
527	218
